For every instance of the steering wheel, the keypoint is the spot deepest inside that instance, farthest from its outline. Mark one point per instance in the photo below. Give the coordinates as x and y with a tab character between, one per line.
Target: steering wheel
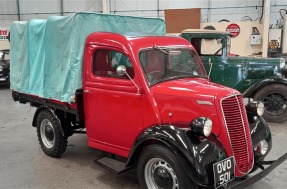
152	75
218	51
188	67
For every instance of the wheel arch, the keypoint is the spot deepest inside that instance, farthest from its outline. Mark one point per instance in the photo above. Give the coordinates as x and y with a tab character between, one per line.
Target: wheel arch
251	91
42	108
181	145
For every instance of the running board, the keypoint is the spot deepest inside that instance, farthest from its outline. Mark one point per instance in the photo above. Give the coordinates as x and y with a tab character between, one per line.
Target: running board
113	165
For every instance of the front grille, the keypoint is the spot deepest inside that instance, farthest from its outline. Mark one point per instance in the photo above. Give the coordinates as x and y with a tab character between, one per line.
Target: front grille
239	132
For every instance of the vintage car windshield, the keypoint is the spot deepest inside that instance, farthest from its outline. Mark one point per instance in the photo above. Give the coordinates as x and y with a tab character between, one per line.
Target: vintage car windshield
4	55
161	64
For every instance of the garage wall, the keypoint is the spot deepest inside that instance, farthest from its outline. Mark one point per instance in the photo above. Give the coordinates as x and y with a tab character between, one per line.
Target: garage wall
240	45
30	9
8	12
211	10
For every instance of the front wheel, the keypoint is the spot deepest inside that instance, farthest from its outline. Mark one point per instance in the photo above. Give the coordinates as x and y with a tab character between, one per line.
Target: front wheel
50	137
274	98
159	168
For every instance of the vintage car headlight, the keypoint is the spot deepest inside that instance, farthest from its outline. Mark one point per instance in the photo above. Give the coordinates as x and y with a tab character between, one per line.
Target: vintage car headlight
284	71
255	107
282	63
262	147
202	126
1	68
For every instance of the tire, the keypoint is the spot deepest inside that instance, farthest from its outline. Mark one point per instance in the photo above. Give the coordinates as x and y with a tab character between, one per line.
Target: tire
50	137
158	167
274	97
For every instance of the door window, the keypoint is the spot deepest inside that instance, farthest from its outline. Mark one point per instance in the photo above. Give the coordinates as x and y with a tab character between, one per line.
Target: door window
106	61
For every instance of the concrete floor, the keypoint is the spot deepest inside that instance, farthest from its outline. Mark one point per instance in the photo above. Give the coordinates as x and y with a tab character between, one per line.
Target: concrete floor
24	165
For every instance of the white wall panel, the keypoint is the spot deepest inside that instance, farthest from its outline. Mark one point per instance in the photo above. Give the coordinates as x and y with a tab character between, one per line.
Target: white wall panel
8	12
218	9
71	6
233	10
275	17
30	9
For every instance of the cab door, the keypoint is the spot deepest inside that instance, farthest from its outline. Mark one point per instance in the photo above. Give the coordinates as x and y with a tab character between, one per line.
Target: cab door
112	103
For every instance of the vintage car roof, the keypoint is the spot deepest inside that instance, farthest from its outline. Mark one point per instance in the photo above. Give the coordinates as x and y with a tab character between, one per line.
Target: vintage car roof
205	31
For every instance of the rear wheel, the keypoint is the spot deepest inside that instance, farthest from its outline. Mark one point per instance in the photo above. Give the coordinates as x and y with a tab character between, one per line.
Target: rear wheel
159	168
50	137
274	98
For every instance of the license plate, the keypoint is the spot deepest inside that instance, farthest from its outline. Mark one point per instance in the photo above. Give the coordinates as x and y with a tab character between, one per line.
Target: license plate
223	172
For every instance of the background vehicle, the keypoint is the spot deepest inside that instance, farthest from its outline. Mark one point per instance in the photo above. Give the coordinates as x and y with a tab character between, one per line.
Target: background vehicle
146	100
4	67
257	78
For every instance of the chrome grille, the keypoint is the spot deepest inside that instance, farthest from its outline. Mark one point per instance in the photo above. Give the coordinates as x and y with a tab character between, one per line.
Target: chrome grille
239	133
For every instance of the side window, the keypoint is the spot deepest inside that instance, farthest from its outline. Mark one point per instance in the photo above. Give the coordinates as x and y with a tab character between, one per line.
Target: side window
105	63
208	46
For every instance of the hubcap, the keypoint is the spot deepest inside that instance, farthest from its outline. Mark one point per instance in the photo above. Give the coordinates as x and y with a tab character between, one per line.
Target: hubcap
47	133
275	104
160	175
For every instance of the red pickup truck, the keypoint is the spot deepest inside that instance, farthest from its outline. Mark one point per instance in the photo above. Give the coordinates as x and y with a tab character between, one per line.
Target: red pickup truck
148	102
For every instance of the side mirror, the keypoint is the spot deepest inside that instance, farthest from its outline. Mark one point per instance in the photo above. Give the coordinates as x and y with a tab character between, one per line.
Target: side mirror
121	70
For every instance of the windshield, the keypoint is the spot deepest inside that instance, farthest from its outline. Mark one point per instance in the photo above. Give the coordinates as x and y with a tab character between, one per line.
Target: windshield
162	64
4	55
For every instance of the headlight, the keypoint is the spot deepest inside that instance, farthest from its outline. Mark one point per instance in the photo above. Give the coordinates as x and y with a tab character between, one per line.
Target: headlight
202	126
276	70
282	63
255	107
262	147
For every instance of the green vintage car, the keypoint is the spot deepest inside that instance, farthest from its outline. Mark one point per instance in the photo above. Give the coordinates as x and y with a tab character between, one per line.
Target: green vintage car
259	78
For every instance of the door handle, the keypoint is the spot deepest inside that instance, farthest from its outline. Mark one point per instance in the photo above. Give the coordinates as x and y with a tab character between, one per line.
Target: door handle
87	91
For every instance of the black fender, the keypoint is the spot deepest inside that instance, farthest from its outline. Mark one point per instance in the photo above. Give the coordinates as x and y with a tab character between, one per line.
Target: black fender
41	108
198	155
251	91
259	130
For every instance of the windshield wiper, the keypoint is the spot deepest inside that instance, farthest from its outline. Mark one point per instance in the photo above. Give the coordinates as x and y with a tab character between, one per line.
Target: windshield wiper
160	49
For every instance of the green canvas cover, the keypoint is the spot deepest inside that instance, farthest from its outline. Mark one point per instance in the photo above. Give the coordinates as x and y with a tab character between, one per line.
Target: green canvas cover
47	55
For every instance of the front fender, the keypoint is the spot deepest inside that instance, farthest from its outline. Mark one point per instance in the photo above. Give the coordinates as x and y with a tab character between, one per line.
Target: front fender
251	91
199	155
259	131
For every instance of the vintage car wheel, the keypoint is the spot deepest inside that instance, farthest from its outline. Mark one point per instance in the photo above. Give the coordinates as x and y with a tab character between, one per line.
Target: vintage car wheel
50	137
274	97
158	167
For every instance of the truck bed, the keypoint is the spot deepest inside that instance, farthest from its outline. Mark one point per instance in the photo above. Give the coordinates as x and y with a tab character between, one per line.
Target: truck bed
47	55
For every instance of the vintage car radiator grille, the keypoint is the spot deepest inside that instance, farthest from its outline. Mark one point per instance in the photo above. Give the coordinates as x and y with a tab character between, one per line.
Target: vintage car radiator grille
239	132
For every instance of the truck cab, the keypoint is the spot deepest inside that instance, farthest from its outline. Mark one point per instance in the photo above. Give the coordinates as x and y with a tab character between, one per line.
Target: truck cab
149	99
258	78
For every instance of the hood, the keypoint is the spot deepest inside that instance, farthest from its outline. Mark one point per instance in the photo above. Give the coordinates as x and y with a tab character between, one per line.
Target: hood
182	100
192	88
